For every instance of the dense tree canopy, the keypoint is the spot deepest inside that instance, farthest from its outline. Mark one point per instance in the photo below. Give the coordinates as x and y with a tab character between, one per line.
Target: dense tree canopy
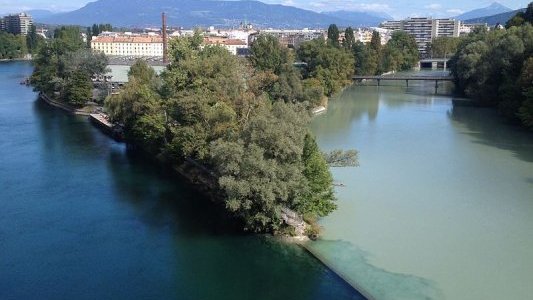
219	110
331	66
11	46
63	67
494	68
399	54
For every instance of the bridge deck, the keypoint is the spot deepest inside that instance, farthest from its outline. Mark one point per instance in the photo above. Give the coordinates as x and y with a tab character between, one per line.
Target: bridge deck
427	78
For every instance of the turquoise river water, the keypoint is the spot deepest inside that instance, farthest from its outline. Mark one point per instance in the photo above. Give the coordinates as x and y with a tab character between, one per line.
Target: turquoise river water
82	218
441	206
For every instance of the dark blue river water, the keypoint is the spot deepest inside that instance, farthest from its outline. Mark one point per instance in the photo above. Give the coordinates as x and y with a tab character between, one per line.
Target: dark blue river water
81	218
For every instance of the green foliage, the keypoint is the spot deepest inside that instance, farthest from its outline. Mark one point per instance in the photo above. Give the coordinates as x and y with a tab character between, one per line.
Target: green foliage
366	59
216	109
142	73
349	38
276	63
330	65
333	35
494	68
68	38
78	89
401	52
339	158
33	40
320	196
443	46
268	55
11	46
65	66
375	42
261	171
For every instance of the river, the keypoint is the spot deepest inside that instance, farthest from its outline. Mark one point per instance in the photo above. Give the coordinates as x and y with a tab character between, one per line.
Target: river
82	218
441	206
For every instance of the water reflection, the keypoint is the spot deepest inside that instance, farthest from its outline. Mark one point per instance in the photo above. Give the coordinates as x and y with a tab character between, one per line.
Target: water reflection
486	127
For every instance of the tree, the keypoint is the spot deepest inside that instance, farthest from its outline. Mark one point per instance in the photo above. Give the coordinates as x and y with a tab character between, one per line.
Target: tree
33	40
401	52
375	42
11	46
332	66
78	90
443	47
493	68
142	73
320	197
267	54
333	35
217	111
349	38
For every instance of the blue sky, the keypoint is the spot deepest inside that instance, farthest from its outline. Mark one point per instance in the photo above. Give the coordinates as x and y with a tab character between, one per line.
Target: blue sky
396	8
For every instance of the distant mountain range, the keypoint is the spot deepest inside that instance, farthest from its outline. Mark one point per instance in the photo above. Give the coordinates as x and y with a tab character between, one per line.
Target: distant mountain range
493	9
39	13
192	13
359	19
496	19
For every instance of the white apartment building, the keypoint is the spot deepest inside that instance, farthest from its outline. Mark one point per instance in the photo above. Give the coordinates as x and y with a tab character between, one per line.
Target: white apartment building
424	30
128	45
364	35
17	24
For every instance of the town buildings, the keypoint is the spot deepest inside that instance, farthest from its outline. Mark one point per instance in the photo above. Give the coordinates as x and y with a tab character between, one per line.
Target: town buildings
16	24
424	30
234	46
290	38
128	44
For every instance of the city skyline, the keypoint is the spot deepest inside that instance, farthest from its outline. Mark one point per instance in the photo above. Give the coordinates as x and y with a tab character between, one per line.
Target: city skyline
397	9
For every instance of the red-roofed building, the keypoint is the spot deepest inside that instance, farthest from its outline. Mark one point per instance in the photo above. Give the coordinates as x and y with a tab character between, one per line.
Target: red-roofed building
232	45
129	45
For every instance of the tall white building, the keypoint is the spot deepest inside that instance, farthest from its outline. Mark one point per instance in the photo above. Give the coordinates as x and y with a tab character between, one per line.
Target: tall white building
17	24
424	30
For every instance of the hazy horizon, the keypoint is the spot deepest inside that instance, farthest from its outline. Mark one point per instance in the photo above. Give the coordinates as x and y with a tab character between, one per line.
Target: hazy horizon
397	8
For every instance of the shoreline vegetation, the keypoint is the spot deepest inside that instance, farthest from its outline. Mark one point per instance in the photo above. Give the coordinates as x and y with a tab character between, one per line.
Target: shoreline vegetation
244	120
495	68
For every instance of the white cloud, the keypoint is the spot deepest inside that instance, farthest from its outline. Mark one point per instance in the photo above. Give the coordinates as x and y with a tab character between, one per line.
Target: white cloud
455	11
348	5
433	6
288	3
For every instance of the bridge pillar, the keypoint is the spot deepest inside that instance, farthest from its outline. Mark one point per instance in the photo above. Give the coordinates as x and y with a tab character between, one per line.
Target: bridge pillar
407	82
434	65
379	81
436	86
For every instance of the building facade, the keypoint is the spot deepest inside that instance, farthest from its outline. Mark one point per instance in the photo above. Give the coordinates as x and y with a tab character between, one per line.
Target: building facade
234	46
290	38
128	45
424	30
17	24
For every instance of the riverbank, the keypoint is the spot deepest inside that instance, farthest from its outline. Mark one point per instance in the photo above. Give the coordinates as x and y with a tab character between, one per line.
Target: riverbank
16	59
86	111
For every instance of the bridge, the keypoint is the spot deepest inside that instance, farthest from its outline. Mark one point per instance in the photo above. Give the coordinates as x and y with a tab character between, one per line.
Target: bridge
406	78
